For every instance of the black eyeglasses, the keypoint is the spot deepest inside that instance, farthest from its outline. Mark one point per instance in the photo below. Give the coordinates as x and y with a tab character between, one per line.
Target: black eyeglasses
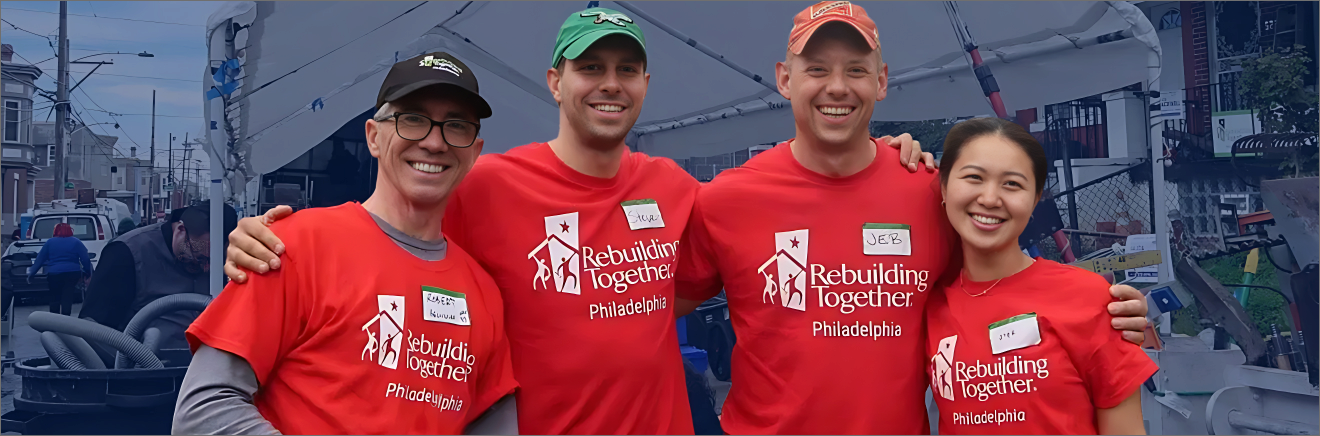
416	127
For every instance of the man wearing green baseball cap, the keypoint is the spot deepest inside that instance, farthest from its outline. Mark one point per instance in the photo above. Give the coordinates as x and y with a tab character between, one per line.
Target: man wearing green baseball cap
580	235
583	29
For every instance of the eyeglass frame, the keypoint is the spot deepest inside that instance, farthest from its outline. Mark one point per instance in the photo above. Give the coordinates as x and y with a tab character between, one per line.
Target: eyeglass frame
395	117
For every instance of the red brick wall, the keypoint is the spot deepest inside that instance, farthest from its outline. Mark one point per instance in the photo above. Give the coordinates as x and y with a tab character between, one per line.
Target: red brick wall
1196	62
1025	117
46	189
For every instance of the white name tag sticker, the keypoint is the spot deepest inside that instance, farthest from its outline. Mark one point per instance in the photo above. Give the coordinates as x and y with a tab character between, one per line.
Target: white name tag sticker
443	305
1021	331
643	214
886	239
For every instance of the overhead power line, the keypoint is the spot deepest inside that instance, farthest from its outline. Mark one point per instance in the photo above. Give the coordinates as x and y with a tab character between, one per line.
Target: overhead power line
106	18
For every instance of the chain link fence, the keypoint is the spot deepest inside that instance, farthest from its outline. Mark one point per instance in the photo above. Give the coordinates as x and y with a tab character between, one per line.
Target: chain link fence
1103	212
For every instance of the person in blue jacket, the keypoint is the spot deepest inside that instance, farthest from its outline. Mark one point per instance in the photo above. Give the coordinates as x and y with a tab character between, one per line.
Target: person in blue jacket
67	264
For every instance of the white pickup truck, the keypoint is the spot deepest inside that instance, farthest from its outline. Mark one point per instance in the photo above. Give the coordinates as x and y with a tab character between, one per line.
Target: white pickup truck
93	223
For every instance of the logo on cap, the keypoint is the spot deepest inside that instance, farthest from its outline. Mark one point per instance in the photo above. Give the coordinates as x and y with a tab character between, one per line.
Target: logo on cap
620	20
442	65
846	9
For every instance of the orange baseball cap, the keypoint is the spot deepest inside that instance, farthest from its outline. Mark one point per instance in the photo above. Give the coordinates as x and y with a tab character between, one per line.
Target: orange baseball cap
806	22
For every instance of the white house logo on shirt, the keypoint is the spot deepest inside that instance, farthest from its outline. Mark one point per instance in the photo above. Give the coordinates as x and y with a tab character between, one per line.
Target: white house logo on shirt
561	248
385	343
941	368
788	280
1004	374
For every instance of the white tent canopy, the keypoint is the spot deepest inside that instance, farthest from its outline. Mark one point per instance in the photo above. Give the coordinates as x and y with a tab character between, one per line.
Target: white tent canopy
309	67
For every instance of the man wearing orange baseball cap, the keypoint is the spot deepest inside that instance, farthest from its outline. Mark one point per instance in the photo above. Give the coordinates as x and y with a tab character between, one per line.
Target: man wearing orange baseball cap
829	306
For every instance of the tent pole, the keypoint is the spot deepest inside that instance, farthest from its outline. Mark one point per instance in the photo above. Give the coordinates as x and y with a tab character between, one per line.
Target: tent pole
991	90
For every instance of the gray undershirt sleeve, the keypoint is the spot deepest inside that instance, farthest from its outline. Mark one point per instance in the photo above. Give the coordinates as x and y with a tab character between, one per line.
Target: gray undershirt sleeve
500	418
216	397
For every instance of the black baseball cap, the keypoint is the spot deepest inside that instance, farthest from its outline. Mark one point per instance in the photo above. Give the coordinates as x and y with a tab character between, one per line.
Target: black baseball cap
197	219
438	68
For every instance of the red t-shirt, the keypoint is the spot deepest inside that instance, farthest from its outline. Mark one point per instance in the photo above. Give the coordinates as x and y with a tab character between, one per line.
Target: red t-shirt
1080	363
827	280
347	290
590	300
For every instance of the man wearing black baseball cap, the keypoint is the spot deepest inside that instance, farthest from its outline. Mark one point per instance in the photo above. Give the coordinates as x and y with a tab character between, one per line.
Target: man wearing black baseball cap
377	323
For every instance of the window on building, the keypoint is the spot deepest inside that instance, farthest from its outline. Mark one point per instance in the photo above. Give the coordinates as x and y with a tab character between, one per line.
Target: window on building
50	155
13	123
1171	19
1284	28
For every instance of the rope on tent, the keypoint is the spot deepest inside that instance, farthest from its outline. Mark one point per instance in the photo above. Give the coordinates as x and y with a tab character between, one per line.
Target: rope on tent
703	48
295	70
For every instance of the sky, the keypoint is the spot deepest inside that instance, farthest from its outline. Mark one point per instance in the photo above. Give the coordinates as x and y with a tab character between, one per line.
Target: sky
172	31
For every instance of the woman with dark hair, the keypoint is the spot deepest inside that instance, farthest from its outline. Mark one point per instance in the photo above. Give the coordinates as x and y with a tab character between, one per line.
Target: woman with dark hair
67	264
1020	345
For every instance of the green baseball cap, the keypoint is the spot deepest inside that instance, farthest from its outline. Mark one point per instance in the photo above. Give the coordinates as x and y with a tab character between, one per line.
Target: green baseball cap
582	29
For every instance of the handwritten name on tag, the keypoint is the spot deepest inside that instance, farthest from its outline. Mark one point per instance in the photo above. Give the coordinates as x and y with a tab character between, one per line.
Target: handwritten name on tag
643	214
443	305
886	239
1021	331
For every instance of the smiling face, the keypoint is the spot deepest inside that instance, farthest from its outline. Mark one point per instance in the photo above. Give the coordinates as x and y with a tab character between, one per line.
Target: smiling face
990	193
833	85
600	93
423	172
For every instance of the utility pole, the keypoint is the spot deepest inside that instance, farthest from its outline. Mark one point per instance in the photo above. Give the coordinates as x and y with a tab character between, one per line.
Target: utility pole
184	196
169	167
62	102
151	184
133	178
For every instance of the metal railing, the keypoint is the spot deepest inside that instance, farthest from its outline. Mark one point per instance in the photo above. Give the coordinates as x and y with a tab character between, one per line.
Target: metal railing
1075	129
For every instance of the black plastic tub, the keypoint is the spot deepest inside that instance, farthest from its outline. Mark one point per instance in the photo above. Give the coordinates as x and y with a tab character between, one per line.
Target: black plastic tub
109	401
709	328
